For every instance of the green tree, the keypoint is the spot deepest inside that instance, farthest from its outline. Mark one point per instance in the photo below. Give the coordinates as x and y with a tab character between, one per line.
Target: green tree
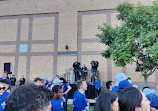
136	40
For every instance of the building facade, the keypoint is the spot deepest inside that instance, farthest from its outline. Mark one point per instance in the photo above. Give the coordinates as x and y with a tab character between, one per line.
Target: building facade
34	35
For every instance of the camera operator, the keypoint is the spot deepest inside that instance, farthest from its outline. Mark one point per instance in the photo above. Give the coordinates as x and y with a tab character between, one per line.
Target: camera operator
94	70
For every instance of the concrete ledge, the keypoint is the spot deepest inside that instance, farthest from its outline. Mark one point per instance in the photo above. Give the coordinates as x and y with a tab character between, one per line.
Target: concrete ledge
70	101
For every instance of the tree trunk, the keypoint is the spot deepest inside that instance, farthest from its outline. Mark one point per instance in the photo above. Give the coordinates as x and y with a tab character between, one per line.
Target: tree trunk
145	81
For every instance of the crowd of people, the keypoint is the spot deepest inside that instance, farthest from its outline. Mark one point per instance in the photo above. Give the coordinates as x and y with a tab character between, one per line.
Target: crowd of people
43	95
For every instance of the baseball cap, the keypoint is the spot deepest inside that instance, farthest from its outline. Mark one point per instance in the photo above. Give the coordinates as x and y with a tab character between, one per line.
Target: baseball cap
56	80
147	91
119	77
129	77
123	84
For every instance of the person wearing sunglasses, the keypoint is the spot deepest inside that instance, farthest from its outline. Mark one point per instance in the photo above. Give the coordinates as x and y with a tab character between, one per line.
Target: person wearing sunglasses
3	95
5	76
6	85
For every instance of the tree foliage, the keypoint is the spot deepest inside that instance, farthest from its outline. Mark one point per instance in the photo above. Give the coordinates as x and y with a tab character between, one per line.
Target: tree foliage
136	40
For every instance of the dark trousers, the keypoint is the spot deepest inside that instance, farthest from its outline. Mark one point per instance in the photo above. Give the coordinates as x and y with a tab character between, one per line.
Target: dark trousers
92	77
77	75
93	74
98	91
65	103
84	74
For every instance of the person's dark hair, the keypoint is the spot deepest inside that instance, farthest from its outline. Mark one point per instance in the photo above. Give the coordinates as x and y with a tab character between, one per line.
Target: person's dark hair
92	62
104	100
29	98
108	84
79	83
56	88
4	81
145	88
64	81
129	99
38	79
97	63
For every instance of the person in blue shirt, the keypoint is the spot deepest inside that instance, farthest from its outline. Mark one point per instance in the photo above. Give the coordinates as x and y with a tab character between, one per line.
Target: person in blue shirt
153	98
119	77
97	85
57	100
3	95
79	98
109	85
66	88
6	85
4	76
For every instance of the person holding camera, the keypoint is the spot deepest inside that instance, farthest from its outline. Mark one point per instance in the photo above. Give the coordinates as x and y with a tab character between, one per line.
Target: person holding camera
94	70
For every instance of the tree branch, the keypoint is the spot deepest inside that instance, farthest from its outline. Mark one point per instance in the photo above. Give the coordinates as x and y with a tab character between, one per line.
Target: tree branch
137	62
153	70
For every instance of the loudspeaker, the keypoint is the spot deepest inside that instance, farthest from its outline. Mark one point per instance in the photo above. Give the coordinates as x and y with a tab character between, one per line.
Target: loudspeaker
66	47
7	67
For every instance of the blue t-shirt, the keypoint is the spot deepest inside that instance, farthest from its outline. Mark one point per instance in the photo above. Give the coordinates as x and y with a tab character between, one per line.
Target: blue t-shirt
48	84
64	86
97	84
153	98
57	104
115	89
79	101
2	101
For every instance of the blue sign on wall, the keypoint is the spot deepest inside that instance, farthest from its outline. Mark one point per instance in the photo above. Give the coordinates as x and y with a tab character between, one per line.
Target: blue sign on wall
23	48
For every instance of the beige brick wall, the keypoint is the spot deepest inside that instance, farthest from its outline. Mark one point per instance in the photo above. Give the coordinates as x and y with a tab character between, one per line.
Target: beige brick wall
93	46
24	29
43	28
7	48
16	7
67	31
64	63
42	48
8	29
22	67
90	24
152	77
115	70
41	66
